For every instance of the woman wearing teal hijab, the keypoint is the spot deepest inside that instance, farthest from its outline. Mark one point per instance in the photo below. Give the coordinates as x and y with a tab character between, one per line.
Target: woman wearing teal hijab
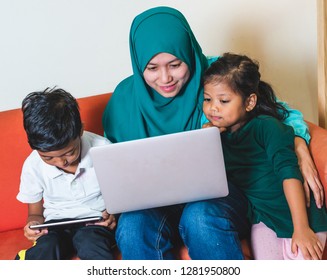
164	95
136	110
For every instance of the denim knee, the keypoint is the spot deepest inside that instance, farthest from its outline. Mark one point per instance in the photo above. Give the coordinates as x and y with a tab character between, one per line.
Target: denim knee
208	231
147	234
198	216
131	227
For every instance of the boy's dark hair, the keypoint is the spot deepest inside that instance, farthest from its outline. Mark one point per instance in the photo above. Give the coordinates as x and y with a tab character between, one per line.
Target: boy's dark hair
51	119
242	75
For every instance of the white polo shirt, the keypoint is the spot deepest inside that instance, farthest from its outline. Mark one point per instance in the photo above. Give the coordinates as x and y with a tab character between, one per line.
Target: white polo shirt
65	195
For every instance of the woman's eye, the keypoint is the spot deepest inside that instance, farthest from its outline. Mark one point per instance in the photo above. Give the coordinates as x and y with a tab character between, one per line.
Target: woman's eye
152	68
207	99
175	65
224	101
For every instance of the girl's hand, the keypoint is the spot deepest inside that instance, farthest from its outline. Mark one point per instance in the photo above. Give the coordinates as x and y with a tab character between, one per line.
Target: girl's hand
308	243
34	234
209	124
108	221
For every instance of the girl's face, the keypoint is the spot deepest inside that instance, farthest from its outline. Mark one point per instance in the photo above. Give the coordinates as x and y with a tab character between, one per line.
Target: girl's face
225	108
166	74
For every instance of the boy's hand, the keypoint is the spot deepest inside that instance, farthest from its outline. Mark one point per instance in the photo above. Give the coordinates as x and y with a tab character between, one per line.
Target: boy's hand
108	221
34	234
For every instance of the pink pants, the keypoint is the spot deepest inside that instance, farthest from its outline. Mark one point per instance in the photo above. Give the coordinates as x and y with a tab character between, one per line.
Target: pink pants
267	246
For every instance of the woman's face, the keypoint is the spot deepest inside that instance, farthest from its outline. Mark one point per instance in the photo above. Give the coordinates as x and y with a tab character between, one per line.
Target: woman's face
166	74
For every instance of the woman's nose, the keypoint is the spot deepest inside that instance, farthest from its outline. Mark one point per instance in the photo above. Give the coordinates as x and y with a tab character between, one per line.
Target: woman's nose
165	76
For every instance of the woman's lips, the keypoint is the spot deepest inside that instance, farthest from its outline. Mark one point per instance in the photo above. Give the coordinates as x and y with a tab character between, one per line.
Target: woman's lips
168	88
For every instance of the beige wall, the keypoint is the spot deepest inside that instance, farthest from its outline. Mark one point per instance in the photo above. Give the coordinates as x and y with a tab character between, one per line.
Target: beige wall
82	45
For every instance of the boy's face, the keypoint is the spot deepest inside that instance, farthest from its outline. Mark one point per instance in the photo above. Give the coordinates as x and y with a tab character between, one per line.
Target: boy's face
66	159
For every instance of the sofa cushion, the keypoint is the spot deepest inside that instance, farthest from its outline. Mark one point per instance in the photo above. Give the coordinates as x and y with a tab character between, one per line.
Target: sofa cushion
12	241
14	149
91	109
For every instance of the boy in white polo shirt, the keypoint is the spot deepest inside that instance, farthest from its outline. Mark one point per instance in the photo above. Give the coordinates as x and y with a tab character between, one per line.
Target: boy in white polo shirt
58	181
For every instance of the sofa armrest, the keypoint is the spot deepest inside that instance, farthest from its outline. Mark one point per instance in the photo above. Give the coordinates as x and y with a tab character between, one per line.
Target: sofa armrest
318	149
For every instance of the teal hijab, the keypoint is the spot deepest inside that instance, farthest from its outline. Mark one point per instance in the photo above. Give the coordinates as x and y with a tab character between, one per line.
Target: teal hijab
135	110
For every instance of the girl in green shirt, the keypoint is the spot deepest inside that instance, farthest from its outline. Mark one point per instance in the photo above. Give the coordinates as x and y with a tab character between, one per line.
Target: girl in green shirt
260	159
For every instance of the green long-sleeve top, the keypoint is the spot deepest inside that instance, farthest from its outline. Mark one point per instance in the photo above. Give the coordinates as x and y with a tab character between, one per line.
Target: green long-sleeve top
258	157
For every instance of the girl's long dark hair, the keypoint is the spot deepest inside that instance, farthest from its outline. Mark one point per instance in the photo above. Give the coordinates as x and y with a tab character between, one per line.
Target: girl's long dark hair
242	75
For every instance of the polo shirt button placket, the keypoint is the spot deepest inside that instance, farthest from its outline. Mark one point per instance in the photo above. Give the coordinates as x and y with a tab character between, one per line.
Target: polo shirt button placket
77	191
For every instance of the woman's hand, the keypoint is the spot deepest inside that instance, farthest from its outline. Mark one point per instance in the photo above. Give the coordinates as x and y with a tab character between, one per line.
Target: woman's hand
309	173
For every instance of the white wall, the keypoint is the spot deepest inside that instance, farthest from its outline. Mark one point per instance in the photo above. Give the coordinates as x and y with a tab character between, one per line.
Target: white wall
82	45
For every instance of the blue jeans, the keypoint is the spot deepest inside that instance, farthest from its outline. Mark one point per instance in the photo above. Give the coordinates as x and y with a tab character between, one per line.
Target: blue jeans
210	229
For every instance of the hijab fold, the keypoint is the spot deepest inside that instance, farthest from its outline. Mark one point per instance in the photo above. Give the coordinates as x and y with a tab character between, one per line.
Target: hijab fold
135	110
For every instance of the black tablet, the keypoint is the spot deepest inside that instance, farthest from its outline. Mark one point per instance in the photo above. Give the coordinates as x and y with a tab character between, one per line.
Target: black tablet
68	222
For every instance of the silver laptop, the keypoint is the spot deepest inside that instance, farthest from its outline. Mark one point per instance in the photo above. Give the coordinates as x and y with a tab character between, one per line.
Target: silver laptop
160	171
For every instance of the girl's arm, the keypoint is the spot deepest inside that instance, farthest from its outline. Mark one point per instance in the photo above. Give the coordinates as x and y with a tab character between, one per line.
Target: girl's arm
303	237
306	163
